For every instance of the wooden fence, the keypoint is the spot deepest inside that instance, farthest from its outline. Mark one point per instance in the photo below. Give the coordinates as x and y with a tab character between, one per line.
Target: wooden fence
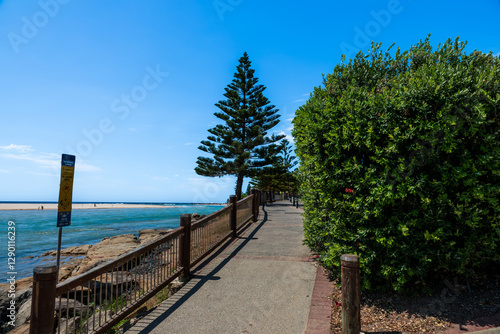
99	299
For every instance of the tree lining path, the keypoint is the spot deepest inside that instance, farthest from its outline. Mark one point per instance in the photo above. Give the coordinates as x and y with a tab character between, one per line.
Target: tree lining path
261	282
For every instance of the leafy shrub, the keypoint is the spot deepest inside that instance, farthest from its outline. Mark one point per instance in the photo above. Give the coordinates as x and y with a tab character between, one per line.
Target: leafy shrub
399	160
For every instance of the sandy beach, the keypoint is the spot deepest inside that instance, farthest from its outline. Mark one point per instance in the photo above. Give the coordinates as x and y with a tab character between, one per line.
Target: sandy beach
53	206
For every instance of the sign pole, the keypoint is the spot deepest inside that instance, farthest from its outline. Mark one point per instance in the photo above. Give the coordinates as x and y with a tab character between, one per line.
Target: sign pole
59	251
64	205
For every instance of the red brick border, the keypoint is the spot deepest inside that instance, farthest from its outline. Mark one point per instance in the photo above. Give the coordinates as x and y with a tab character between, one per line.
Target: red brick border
320	312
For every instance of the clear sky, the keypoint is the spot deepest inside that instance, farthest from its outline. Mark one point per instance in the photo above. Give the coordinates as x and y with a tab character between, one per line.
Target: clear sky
129	86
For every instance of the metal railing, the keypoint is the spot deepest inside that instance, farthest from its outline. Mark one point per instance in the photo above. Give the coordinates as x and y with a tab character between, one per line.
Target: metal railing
244	209
208	232
99	299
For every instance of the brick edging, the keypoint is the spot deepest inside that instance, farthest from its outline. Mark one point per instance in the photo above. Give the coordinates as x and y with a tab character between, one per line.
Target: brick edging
320	311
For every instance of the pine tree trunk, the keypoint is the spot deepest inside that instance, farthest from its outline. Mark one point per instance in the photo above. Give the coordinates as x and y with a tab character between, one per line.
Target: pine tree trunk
239	185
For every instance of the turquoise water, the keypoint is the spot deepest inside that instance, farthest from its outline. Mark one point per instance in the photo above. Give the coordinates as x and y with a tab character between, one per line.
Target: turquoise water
36	230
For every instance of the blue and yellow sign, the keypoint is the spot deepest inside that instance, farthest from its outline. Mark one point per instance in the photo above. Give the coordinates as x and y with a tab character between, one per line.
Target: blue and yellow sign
66	190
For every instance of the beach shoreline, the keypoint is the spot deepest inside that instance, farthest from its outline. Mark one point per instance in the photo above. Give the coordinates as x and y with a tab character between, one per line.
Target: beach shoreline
76	206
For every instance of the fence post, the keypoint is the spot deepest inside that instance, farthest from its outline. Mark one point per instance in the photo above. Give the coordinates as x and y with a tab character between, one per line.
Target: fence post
351	319
232	218
185	246
297	202
255	204
43	299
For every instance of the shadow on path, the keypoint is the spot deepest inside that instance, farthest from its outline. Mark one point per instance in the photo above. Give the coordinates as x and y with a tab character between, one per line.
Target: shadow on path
202	279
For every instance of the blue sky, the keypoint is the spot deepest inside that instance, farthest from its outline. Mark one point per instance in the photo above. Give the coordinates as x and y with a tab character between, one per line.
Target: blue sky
130	86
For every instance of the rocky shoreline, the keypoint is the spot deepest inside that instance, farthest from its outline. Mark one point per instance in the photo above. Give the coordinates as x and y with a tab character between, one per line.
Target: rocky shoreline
78	259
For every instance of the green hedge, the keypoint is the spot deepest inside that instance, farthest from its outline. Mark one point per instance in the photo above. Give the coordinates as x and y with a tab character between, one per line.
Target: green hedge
399	159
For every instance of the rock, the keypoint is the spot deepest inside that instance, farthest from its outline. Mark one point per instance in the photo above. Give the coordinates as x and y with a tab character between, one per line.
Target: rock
21	284
70	251
23	313
94	319
107	249
23	295
72	325
70	308
4	303
76	250
195	216
148	235
116	283
66	271
23	329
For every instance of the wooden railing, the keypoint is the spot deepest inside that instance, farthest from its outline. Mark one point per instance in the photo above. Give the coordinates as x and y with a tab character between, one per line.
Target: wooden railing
99	299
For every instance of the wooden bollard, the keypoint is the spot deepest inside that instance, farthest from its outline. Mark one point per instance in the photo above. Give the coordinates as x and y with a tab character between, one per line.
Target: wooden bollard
232	217
43	299
351	294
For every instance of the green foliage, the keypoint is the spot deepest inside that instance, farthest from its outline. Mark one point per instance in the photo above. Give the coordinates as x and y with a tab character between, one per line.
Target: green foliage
241	146
280	176
400	164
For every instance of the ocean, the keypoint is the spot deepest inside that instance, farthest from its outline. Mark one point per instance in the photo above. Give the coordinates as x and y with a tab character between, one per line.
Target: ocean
36	231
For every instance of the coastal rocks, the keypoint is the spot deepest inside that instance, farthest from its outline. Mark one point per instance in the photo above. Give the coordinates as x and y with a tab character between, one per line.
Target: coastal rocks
113	285
70	308
70	251
67	269
97	319
69	325
4	302
22	302
148	235
23	313
23	329
107	249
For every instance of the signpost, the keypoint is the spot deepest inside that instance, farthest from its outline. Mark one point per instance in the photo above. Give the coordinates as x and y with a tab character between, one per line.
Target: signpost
65	202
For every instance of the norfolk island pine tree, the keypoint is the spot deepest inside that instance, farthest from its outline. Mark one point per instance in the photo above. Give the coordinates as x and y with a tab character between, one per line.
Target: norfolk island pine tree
241	146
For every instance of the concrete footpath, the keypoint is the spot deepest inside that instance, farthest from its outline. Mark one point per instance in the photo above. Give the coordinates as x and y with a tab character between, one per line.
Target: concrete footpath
262	282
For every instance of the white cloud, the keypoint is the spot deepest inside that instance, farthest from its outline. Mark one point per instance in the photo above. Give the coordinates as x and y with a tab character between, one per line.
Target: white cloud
188	144
4	171
44	160
17	148
287	136
299	100
83	166
496	54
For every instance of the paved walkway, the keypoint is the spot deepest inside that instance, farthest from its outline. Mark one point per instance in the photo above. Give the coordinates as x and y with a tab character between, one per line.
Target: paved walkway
262	282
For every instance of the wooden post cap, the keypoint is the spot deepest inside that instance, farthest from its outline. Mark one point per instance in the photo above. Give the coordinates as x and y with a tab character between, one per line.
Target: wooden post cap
41	270
349	258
